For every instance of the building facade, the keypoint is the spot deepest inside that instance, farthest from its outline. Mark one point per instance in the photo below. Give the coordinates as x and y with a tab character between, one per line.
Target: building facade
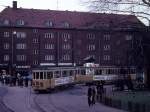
32	37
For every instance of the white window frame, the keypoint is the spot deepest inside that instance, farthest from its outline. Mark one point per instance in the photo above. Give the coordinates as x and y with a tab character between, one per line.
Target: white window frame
6	46
21	35
49	35
6	34
6	57
21	46
106	57
91	36
91	47
49	57
106	37
106	47
21	57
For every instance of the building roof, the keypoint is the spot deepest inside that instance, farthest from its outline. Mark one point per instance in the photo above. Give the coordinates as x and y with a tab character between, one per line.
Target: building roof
38	18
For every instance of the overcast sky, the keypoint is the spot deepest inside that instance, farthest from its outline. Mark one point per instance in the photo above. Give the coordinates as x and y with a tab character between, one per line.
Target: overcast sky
46	4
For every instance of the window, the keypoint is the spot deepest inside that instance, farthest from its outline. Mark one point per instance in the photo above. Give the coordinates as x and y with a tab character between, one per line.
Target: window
66	46
6	22
106	47
128	37
35	40
21	57
65	36
21	46
6	34
106	37
6	45
49	35
35	62
66	24
6	57
20	22
49	46
66	57
91	36
49	23
91	47
35	30
21	35
106	57
49	57
35	51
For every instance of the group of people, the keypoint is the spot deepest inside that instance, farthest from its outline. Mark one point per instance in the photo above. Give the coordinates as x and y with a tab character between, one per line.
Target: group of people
95	93
14	80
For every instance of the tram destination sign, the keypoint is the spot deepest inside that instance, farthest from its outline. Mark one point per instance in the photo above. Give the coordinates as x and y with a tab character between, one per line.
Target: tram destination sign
104	77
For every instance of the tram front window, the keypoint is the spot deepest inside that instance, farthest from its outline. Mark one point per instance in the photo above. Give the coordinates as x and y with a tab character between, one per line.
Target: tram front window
41	75
37	75
64	73
49	75
57	74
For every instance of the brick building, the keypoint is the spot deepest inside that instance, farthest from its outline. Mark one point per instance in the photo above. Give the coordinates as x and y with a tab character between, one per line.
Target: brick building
33	37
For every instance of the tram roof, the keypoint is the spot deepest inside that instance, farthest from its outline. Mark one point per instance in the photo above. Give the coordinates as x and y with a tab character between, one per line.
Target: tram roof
79	67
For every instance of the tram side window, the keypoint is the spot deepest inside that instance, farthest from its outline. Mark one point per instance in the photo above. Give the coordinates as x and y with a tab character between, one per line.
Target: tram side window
98	72
57	74
45	75
64	73
37	75
49	75
41	75
33	75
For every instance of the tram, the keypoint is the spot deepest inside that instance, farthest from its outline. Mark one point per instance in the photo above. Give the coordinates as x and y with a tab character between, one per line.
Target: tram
50	78
55	77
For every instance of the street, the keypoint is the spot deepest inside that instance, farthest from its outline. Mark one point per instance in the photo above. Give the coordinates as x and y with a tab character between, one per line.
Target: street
23	99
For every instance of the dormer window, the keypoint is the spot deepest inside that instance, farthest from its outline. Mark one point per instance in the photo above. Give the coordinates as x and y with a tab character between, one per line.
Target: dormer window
6	22
49	23
20	22
66	25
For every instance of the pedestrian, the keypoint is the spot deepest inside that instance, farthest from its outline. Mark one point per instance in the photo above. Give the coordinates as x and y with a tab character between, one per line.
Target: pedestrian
100	91
89	96
26	81
93	95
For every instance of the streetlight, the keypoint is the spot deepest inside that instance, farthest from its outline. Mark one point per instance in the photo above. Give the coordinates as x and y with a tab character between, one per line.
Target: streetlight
12	51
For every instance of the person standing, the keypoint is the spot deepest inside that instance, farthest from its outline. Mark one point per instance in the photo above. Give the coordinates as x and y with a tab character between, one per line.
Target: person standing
89	96
100	91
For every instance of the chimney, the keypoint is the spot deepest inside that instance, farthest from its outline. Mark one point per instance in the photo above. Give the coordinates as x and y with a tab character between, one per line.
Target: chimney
14	4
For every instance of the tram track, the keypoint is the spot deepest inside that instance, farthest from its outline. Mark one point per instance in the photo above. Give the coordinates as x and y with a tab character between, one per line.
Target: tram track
3	106
38	107
57	108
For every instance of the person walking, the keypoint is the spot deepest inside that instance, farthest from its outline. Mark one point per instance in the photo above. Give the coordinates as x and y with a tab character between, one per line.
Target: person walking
89	96
93	95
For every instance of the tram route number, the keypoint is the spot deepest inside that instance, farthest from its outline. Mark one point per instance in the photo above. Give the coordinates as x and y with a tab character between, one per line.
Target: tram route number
64	80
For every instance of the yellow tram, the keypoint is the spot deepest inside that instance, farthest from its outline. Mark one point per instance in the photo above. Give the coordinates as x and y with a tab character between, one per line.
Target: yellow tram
53	77
47	79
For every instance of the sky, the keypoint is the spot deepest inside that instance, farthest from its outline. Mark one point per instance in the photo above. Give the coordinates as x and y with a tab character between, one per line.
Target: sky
72	5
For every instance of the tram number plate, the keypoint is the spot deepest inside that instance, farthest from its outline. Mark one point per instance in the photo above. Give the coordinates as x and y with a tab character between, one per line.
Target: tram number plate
64	80
105	77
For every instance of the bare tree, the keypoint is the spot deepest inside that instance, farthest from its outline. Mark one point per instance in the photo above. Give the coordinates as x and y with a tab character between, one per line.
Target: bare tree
139	8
